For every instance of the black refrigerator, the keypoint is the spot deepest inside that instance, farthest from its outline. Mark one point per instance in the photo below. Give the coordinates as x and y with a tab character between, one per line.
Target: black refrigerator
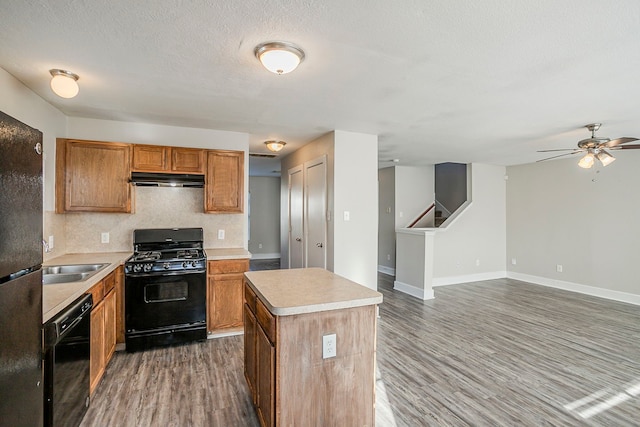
21	180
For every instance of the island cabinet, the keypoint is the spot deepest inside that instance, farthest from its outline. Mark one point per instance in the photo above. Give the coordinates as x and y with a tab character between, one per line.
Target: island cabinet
294	378
224	182
224	294
92	176
103	326
165	159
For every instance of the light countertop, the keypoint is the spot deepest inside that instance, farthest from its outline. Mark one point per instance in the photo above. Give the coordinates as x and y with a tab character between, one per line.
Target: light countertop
308	290
56	297
227	253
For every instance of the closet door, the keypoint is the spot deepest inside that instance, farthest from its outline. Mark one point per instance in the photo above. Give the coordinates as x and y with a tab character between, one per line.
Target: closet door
296	215
316	213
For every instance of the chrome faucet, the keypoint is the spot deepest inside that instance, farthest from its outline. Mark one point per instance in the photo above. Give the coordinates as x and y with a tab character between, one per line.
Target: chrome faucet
46	247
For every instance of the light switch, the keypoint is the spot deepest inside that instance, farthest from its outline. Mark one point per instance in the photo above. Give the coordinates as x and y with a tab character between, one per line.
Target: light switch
346	215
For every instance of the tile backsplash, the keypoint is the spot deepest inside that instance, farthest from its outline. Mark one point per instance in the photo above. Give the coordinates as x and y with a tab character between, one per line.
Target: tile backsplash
155	207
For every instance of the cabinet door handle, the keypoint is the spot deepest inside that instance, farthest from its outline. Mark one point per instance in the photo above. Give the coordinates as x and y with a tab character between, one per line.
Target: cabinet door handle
319	245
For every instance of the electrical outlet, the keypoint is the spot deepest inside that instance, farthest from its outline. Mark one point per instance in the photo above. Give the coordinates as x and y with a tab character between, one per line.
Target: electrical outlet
513	261
478	263
388	257
559	268
259	245
104	237
328	346
220	234
50	242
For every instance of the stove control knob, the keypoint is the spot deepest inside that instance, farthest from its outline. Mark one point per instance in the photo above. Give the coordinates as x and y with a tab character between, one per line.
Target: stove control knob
137	268
194	264
185	264
166	265
147	267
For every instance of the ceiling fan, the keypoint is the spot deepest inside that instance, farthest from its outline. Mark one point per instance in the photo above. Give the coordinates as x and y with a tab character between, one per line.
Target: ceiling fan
594	148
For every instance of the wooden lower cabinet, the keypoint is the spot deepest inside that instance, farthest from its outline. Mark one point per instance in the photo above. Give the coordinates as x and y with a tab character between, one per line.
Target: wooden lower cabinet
103	327
109	325
266	360
260	357
250	329
224	294
292	384
96	367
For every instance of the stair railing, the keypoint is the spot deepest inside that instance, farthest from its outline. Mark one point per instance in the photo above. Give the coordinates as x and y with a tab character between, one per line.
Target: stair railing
422	215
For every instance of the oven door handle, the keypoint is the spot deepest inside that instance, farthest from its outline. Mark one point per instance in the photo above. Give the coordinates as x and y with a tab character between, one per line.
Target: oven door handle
166	273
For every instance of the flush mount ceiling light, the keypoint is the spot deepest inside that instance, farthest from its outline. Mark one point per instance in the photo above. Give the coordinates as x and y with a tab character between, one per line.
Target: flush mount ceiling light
64	83
275	146
279	57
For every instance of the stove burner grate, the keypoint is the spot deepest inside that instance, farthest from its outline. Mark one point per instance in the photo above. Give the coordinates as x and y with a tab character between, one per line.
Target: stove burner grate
147	256
188	254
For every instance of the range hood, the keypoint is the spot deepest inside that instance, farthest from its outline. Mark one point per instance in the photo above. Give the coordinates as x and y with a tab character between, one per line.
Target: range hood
145	179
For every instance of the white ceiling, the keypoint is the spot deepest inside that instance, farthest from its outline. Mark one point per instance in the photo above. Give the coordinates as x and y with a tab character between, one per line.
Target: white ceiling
438	80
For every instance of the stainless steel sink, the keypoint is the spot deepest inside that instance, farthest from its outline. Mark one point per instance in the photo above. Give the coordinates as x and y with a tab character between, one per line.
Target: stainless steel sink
69	273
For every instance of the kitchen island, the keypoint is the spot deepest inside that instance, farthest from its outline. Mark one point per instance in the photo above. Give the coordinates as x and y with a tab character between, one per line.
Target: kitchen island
310	340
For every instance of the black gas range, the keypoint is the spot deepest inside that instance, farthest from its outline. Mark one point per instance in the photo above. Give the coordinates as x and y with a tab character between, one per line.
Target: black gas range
165	288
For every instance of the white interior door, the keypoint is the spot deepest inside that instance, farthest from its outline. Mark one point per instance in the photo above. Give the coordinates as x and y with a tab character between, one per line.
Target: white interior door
316	213
296	215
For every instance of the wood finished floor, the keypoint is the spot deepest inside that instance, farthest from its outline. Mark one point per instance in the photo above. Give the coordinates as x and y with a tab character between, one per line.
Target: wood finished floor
491	353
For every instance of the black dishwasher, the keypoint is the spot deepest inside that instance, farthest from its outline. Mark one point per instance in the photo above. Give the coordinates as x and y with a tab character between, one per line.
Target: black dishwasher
66	364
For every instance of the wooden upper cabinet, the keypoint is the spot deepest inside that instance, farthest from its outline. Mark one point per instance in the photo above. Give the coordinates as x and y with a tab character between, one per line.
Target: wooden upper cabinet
224	182
92	176
150	158
187	160
156	158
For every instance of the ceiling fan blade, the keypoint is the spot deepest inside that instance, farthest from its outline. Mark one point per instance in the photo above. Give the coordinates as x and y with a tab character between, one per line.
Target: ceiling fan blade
618	141
559	149
561	155
628	147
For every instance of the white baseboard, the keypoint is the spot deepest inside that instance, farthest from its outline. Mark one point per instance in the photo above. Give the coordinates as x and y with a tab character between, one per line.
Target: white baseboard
265	256
454	280
576	287
413	291
387	270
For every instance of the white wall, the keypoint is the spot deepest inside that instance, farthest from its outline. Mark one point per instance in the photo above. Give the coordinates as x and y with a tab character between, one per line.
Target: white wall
583	219
264	217
386	221
415	191
478	235
356	192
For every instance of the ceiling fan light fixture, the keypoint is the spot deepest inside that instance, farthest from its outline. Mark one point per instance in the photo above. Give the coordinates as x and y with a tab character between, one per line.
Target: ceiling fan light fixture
605	158
275	146
587	161
64	83
279	57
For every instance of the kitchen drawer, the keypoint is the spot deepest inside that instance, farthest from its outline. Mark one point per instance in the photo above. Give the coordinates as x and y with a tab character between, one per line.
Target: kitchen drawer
228	266
250	298
266	320
97	291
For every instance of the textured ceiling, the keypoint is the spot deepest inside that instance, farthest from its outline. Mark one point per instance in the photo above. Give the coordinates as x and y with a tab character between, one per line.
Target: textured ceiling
438	80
